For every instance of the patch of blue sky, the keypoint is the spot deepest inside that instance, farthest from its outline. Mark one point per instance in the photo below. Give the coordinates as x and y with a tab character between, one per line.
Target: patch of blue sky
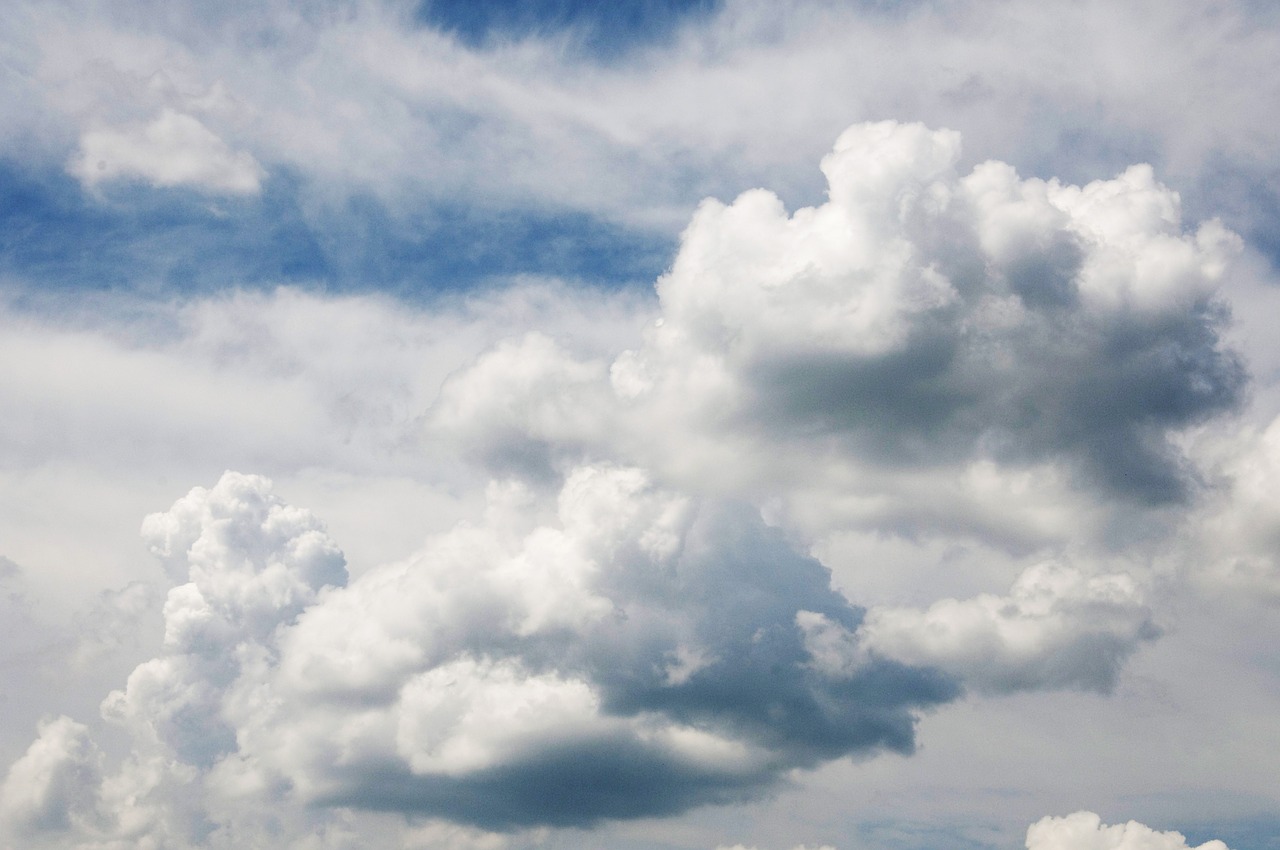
1256	833
1247	199
600	30
56	238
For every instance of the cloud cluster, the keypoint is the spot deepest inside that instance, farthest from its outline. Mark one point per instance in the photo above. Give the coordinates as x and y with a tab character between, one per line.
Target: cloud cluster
1057	628
1085	831
248	564
634	655
619	632
927	350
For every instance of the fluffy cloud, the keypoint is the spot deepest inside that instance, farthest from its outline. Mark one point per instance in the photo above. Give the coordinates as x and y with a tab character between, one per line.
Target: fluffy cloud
1056	628
1230	544
173	150
922	316
52	786
619	633
636	645
927	351
1085	831
631	653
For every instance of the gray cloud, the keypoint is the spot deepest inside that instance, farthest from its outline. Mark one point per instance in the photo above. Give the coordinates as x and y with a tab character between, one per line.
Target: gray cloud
660	629
634	654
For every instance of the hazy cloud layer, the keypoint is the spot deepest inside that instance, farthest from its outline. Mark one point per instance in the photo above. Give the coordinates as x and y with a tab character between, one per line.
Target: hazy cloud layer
371	133
172	150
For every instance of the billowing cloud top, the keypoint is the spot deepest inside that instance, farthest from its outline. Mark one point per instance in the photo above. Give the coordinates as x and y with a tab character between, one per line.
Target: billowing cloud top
1085	831
921	316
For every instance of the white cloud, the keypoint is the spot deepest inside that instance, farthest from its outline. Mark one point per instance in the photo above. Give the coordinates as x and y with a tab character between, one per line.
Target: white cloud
927	352
173	150
1230	544
448	684
1056	341
1085	831
957	351
53	786
367	98
1056	628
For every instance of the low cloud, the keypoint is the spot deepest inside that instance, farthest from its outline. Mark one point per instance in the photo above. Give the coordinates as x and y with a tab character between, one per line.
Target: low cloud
929	350
517	673
52	787
1085	831
924	317
1057	628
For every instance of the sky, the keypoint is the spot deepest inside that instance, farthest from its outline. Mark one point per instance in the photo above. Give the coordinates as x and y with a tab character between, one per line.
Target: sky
656	425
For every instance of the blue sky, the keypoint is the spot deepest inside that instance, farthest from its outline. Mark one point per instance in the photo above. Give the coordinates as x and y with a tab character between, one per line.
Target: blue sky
653	425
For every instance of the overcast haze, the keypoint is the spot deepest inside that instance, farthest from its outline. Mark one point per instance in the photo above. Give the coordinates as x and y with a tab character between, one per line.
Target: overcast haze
657	425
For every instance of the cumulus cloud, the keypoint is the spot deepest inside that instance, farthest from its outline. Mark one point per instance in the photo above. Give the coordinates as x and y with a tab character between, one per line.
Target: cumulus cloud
929	350
1057	628
520	650
1085	831
1230	542
620	634
53	786
922	316
534	669
175	149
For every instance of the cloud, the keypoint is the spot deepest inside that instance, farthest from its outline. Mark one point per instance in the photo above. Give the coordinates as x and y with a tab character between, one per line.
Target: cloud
1057	628
1229	544
370	99
175	149
531	670
508	665
53	786
928	350
921	316
1085	831
617	632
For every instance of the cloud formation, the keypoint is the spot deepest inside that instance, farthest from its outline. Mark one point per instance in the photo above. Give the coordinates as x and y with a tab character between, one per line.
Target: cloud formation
922	316
618	632
634	655
1085	831
1057	628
